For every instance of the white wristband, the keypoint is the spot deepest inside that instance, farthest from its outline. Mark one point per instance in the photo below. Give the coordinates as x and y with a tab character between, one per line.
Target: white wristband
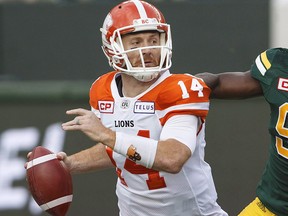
142	150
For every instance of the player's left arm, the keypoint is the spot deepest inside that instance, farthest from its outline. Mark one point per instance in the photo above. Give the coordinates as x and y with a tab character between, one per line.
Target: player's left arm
167	154
177	143
232	85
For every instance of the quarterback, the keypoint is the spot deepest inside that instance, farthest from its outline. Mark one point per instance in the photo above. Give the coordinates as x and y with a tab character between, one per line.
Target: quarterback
149	123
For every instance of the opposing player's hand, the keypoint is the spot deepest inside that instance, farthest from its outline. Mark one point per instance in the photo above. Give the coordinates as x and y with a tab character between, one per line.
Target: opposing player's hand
88	123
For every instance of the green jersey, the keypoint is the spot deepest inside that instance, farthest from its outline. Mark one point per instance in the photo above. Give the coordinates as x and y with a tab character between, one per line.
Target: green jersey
271	70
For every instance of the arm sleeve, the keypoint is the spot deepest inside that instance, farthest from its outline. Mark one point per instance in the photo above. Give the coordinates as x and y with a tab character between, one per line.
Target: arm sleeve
182	128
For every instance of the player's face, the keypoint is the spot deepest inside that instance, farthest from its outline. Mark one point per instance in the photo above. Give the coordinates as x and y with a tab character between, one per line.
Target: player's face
151	56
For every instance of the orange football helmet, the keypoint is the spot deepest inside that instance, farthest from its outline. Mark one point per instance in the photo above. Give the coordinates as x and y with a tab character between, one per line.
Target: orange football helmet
135	16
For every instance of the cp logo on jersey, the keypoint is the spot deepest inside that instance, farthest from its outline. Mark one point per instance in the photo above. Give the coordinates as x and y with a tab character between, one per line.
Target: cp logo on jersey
283	84
106	106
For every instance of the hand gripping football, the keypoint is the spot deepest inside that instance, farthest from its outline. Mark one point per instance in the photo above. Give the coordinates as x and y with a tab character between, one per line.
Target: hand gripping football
49	181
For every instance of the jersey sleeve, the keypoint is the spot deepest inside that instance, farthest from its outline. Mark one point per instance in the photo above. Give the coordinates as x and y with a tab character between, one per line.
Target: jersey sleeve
183	94
269	64
100	89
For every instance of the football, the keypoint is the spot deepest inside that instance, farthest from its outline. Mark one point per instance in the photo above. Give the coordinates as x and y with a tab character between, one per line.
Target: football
49	181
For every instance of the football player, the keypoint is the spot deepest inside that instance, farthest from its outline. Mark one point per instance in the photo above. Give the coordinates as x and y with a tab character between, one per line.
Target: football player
149	122
268	76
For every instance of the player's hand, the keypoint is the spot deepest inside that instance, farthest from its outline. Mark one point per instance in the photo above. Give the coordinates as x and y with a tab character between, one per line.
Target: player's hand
88	123
28	155
62	156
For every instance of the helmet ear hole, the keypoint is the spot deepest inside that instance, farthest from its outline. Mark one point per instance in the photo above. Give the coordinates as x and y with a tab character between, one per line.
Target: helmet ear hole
142	16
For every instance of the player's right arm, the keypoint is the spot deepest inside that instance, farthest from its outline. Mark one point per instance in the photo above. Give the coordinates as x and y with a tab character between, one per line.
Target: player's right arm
88	160
232	85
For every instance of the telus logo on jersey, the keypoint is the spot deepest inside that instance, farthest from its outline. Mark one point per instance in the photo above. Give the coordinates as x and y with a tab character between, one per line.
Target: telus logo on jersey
106	106
283	84
144	107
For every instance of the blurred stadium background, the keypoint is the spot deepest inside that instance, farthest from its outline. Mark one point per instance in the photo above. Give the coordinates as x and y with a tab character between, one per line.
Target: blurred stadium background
50	54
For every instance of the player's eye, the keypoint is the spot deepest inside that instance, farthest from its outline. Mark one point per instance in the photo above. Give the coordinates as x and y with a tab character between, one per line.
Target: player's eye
134	44
155	42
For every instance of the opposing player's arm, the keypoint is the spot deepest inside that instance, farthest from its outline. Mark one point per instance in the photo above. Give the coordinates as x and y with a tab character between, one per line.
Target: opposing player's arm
232	85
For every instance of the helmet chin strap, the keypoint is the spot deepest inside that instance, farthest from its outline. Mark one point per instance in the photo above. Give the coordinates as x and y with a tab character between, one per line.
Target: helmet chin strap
144	77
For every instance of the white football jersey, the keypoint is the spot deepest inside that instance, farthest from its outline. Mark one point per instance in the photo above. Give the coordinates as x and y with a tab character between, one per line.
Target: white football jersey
142	191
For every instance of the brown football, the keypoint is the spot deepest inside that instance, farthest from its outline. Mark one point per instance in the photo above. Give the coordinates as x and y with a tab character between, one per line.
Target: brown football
49	181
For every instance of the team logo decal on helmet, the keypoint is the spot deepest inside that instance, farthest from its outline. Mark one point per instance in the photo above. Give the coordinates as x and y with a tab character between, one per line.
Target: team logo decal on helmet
142	17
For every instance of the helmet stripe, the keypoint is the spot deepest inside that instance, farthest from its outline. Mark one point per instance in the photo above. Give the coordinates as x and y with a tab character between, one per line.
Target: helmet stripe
140	8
